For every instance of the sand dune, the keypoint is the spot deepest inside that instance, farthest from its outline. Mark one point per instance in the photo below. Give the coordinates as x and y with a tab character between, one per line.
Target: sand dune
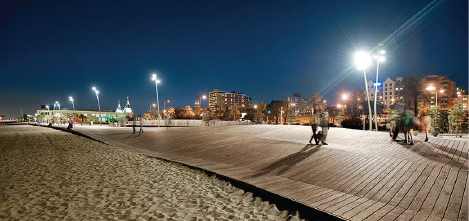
52	175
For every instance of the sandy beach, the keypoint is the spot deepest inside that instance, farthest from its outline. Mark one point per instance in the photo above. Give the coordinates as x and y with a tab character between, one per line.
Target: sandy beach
46	174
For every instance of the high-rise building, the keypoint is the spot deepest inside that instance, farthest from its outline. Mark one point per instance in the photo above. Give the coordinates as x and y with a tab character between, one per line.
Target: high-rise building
461	98
222	99
444	92
389	92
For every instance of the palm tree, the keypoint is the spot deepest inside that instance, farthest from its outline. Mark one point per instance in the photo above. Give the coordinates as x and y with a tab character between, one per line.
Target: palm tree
413	91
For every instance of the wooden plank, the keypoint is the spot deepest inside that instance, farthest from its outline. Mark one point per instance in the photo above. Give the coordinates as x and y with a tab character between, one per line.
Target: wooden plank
393	214
443	199
456	198
344	171
327	204
359	208
426	188
383	187
395	195
320	174
379	214
417	186
368	211
367	178
351	177
381	178
463	211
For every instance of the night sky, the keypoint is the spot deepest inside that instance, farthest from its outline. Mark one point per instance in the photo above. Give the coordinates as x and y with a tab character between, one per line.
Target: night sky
268	50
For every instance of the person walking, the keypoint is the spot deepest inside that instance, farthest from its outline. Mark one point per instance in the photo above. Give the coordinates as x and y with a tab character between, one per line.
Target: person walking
142	121
324	126
314	121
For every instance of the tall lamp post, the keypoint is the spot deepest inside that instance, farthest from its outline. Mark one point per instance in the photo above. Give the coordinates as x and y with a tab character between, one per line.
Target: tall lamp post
71	99
157	101
97	98
49	113
432	88
203	97
379	58
164	108
201	107
362	61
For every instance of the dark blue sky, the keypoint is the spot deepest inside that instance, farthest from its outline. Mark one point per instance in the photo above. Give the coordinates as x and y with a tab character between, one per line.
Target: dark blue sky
51	50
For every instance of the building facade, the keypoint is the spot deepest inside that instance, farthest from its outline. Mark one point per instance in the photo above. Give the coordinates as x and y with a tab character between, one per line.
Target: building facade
445	91
89	115
389	92
222	99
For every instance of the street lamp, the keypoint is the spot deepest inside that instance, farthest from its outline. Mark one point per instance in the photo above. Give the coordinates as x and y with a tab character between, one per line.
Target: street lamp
203	97
344	97
379	58
71	99
97	98
157	101
164	107
432	88
362	61
49	113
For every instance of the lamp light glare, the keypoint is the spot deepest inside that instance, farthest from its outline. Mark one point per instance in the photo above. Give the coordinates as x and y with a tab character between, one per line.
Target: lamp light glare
430	88
362	60
344	96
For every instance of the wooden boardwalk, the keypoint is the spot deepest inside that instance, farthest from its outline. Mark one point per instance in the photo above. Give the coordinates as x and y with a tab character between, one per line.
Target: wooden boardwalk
360	175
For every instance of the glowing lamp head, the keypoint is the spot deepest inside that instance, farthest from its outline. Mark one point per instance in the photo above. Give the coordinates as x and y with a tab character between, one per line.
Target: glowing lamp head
93	88
339	105
382	52
71	99
362	60
344	96
204	97
430	88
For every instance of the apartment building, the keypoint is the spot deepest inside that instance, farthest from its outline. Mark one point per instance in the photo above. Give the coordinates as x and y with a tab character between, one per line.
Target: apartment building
389	92
461	98
445	90
222	99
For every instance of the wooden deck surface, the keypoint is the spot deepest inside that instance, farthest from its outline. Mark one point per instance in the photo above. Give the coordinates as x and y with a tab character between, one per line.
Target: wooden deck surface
360	175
